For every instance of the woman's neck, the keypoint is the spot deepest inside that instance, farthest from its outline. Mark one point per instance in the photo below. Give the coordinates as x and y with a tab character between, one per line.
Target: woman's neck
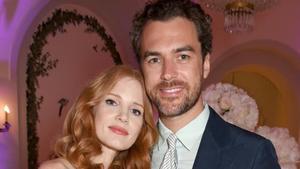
106	157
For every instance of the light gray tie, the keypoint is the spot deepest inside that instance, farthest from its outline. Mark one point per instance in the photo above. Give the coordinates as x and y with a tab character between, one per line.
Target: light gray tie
169	161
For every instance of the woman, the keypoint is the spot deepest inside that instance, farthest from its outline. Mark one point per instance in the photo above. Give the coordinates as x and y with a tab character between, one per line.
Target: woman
109	126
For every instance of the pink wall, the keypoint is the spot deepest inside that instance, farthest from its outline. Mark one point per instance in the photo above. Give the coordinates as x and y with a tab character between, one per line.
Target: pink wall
18	21
78	64
279	23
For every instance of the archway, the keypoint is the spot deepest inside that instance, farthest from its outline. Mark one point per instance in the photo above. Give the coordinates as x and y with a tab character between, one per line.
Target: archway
259	65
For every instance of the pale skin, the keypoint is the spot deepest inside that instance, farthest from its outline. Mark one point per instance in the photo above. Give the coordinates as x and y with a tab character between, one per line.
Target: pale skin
59	163
118	122
170	52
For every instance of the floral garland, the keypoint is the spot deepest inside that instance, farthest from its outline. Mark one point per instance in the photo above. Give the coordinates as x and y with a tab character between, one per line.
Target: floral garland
236	107
38	65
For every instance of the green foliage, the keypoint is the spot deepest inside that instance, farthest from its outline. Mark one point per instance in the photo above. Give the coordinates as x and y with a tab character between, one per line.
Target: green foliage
39	65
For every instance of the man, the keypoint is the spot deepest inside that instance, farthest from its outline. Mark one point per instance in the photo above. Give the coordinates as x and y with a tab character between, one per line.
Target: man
172	40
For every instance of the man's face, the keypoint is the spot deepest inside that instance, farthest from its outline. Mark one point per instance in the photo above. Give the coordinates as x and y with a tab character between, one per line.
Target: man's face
172	65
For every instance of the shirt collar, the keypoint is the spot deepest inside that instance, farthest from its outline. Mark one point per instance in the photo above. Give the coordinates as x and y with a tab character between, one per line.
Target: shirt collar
184	135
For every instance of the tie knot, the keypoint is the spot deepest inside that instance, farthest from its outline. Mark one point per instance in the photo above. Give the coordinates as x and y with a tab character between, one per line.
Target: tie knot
172	141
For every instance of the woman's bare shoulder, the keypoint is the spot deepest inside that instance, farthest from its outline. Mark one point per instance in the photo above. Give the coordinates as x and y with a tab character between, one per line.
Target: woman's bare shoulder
58	163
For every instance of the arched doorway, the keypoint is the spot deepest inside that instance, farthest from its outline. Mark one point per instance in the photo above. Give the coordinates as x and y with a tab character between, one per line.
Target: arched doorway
269	71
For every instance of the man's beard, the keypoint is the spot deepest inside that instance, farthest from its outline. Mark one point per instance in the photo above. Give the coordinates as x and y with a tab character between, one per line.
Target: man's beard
166	105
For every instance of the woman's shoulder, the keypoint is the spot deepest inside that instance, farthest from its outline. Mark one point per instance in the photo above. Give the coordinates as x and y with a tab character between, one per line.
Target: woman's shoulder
58	163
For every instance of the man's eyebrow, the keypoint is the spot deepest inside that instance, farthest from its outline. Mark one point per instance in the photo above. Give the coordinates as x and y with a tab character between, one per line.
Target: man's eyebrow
150	53
185	48
177	50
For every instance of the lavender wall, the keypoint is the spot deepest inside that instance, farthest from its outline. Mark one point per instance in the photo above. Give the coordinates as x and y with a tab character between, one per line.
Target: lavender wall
15	17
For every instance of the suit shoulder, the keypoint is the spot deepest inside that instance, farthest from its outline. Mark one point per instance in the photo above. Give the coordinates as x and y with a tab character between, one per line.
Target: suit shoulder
243	135
231	134
54	164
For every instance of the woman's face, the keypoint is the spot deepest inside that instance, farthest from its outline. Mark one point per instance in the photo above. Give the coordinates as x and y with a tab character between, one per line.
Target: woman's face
119	115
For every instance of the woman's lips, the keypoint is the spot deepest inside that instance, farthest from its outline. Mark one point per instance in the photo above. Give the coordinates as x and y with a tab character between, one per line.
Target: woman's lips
118	130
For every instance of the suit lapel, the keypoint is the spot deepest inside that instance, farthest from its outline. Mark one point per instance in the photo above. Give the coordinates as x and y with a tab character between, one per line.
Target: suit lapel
208	155
210	150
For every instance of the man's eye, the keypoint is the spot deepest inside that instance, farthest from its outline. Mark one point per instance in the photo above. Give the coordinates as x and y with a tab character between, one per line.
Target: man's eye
183	57
136	112
110	102
153	60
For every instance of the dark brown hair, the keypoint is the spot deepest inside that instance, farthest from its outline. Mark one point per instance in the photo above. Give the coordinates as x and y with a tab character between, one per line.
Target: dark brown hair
164	10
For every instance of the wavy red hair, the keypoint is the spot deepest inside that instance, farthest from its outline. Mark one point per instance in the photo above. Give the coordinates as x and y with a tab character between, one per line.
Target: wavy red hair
79	141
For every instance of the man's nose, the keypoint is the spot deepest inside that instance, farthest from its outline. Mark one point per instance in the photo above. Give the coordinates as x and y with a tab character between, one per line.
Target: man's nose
169	71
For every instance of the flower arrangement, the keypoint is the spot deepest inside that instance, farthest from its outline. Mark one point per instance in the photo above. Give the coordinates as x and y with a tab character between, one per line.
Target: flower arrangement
233	104
236	107
286	146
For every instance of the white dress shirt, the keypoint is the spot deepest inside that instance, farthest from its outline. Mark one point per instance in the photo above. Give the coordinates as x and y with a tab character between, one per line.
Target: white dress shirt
189	138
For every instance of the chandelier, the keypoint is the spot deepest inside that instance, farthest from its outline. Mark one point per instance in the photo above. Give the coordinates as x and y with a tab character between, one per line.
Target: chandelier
239	14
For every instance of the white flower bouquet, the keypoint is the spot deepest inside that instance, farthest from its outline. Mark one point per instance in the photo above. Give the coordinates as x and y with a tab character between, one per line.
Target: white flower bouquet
233	104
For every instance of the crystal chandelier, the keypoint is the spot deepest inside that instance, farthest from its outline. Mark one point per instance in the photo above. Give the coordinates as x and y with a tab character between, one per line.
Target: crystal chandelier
239	14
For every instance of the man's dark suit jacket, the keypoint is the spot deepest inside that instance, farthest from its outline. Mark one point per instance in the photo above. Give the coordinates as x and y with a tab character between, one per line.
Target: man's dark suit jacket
225	146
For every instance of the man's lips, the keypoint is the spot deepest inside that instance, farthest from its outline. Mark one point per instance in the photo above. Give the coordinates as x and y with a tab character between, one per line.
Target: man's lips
171	90
118	130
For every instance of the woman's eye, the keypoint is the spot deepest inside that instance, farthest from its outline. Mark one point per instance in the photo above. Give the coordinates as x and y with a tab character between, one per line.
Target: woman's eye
136	112
111	102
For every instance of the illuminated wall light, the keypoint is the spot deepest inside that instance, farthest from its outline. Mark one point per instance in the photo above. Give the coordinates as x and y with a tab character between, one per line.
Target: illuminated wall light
6	124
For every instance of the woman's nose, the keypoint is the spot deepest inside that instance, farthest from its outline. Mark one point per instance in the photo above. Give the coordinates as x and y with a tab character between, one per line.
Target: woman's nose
123	117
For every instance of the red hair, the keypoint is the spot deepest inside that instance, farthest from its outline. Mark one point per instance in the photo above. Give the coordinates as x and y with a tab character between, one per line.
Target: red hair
79	142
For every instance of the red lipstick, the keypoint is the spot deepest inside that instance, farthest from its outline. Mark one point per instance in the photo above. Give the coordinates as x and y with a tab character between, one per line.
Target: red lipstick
118	130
